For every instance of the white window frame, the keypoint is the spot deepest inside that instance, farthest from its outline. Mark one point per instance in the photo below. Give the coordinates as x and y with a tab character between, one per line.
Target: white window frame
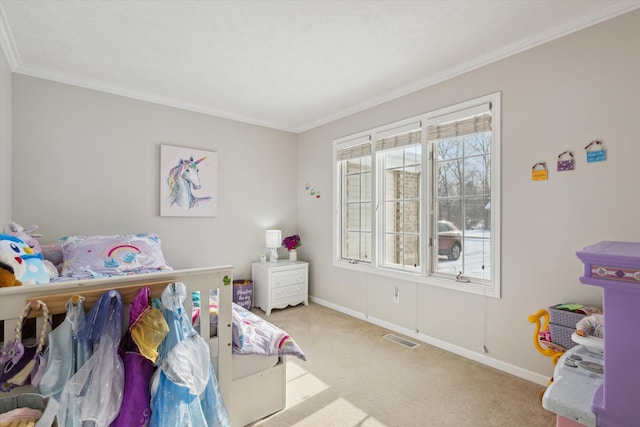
380	197
346	143
491	287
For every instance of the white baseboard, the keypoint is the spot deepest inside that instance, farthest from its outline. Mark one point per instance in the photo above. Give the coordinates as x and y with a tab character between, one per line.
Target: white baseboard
339	308
460	351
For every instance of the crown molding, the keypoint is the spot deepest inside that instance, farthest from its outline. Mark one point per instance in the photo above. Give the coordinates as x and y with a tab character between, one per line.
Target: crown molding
616	9
78	81
6	41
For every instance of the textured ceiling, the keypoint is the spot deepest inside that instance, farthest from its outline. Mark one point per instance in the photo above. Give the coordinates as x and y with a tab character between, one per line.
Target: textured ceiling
290	65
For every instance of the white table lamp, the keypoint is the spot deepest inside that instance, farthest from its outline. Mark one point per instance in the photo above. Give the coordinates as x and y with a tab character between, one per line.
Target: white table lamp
274	241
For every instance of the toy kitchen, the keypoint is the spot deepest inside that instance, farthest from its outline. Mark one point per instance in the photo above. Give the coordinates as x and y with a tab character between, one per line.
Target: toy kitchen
597	382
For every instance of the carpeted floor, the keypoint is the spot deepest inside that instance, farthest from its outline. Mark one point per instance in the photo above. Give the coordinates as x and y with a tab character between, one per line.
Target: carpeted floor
355	377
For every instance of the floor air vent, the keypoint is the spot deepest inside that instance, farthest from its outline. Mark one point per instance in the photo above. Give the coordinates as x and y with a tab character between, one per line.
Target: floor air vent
401	341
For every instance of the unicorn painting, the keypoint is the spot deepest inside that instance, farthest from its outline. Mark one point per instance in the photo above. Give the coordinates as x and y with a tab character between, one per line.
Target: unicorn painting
186	188
183	178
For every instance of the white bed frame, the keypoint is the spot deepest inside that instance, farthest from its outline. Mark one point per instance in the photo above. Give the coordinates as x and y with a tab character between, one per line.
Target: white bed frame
247	400
259	395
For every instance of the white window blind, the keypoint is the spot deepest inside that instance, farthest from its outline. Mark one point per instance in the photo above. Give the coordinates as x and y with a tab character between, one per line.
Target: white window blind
398	141
478	119
398	137
354	151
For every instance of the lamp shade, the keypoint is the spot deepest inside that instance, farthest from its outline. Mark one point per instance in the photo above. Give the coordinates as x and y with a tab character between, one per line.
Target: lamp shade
273	238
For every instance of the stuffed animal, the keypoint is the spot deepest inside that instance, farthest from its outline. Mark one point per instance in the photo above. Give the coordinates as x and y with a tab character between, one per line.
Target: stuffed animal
591	325
9	270
28	236
35	271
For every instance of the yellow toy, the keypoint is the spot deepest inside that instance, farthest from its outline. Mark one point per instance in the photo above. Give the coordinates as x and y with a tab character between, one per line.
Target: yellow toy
543	325
9	270
553	353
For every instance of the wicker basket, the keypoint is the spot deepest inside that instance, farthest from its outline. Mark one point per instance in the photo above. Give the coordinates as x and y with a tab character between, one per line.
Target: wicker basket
564	317
561	335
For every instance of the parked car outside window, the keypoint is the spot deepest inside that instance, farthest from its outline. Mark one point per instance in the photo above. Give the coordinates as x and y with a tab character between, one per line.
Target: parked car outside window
449	240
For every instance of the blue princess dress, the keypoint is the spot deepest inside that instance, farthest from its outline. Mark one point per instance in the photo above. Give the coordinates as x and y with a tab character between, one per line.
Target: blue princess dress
66	353
184	391
93	395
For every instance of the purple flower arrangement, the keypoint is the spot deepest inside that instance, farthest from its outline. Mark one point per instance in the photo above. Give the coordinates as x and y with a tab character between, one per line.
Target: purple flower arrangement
291	242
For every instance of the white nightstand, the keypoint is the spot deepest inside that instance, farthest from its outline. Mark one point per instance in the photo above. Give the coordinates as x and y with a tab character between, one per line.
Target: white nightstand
280	284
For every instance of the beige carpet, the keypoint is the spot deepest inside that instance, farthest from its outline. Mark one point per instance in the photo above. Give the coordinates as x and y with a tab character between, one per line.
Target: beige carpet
355	377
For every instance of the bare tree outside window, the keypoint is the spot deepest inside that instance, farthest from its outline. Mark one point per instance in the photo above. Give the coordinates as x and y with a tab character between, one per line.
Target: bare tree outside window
463	166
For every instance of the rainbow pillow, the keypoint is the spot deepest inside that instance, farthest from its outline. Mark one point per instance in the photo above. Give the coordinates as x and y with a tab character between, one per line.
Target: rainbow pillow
116	255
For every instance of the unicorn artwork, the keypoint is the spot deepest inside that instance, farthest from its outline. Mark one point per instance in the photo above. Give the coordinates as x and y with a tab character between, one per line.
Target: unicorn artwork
183	178
190	184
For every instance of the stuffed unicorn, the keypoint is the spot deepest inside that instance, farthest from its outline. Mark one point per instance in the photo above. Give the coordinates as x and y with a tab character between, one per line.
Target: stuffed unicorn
26	235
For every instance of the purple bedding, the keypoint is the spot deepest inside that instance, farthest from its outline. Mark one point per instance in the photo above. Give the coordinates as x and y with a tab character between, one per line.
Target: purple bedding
251	333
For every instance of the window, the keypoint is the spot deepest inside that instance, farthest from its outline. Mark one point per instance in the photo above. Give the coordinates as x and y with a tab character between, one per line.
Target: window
414	198
355	194
461	143
400	163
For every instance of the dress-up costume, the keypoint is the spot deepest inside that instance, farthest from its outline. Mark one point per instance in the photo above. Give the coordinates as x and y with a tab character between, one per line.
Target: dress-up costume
66	354
22	365
94	393
147	329
184	391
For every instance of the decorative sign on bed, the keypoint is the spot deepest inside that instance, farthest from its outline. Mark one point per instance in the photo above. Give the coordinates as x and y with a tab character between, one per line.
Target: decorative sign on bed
188	182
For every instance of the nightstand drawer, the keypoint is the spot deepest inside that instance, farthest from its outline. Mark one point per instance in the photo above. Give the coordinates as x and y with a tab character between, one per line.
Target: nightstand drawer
286	278
286	293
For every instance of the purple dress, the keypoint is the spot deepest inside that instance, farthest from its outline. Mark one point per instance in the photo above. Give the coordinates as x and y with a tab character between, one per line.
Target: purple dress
135	410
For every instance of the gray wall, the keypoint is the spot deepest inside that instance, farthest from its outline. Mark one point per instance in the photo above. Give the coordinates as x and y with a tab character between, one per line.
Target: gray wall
86	162
5	140
558	96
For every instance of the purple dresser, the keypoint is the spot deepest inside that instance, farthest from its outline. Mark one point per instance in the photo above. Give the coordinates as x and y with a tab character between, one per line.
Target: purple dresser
615	267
